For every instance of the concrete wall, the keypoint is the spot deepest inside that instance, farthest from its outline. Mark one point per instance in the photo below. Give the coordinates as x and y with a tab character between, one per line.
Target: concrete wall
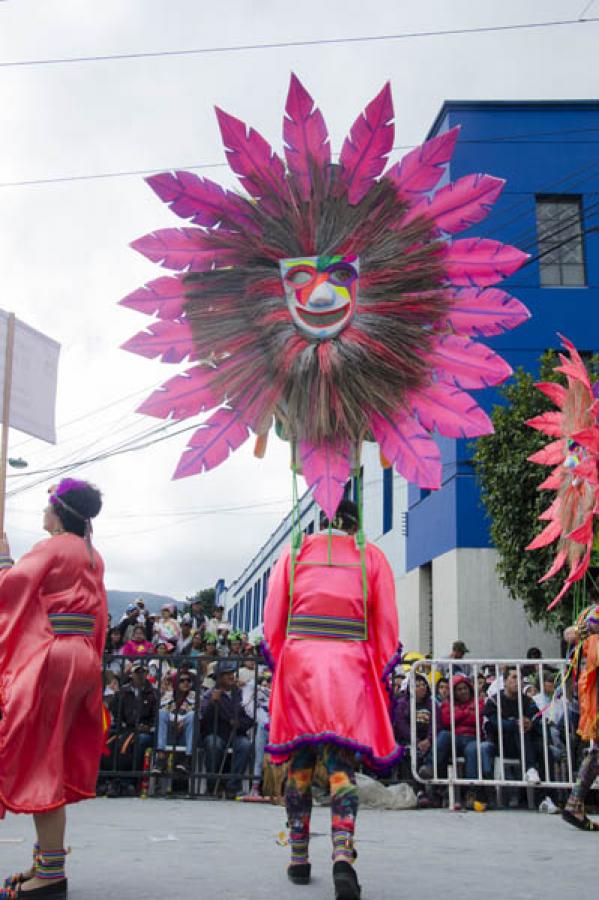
468	604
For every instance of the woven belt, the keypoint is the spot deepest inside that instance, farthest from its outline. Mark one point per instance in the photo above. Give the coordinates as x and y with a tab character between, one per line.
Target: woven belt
72	623
332	627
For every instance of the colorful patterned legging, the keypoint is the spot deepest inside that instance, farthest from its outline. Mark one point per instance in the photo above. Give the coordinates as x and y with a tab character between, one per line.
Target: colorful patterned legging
339	765
589	770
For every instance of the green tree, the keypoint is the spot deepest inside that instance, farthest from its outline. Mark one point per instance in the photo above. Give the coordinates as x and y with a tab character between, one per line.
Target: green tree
509	489
206	598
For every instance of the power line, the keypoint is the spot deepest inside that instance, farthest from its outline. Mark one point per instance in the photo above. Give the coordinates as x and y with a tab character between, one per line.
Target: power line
126	173
281	45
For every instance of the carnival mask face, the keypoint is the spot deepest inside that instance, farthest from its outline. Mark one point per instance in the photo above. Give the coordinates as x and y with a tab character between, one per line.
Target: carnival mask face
321	292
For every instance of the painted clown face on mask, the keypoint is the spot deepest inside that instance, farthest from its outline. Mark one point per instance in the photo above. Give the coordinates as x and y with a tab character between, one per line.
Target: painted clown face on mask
321	292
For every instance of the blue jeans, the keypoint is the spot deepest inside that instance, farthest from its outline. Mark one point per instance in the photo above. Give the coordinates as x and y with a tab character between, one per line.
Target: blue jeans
465	745
261	742
214	747
166	730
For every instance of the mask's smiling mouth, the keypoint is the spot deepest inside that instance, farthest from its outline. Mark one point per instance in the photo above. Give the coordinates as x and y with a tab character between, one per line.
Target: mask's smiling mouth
324	318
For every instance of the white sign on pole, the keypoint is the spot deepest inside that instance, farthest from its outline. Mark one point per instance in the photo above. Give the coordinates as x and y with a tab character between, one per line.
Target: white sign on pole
34	380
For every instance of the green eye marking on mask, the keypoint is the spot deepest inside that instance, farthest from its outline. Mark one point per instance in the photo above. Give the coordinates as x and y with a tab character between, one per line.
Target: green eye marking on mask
325	261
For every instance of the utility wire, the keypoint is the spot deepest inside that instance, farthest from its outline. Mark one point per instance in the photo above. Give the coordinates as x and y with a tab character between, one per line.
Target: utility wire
523	137
281	45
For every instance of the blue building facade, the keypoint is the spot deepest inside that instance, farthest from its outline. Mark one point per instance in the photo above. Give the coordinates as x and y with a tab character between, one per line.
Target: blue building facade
548	154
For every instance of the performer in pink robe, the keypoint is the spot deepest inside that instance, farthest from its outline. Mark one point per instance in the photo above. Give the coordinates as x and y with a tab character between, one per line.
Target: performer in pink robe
333	639
53	619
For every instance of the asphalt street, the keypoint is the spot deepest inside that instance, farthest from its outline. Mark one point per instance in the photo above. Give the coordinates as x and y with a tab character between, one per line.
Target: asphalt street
155	849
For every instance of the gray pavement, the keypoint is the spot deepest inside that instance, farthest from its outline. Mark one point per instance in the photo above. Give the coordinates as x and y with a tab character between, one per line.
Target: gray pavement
156	849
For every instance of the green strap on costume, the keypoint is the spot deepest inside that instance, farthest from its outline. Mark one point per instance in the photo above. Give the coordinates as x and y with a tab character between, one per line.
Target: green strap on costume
297	539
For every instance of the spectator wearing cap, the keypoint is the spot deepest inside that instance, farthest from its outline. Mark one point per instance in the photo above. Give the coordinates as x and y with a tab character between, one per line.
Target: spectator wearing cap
210	645
176	717
235	645
225	725
134	718
458	651
129	620
183	644
196	614
218	624
138	645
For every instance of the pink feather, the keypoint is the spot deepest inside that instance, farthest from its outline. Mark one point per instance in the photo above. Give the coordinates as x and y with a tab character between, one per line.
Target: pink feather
212	443
451	411
588	437
306	137
163	297
420	169
558	564
405	443
171	341
326	469
201	200
481	262
459	205
547	536
485	312
549	423
184	395
259	169
365	151
550	455
182	248
467	364
555	392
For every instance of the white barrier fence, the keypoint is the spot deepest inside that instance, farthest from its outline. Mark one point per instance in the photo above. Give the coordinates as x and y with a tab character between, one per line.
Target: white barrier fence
535	750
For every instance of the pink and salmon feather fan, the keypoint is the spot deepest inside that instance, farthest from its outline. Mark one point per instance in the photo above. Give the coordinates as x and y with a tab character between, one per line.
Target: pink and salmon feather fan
574	457
399	371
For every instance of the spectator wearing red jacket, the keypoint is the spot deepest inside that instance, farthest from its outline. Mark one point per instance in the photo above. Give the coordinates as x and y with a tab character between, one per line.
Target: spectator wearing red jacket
465	715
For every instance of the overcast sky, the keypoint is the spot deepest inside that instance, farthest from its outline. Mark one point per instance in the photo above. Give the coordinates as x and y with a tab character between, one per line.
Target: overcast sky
64	255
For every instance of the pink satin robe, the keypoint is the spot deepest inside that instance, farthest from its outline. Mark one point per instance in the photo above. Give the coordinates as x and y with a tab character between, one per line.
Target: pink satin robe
329	690
51	731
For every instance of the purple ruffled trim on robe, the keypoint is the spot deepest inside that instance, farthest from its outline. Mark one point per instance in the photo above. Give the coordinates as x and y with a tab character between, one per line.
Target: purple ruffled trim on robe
267	654
377	763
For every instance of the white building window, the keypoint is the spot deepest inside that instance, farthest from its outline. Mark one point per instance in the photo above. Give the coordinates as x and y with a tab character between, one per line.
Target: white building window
559	235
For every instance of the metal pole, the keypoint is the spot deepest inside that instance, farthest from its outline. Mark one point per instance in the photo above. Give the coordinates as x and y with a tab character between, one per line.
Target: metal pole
8	358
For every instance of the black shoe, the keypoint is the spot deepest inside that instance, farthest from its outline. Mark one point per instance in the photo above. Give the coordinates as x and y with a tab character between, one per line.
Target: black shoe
159	767
114	789
346	882
299	873
183	768
55	890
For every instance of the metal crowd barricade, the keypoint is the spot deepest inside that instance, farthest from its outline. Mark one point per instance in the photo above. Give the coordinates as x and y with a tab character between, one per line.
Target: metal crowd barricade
564	767
159	668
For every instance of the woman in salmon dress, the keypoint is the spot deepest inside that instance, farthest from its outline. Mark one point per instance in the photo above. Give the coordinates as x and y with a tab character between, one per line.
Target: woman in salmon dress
53	619
332	637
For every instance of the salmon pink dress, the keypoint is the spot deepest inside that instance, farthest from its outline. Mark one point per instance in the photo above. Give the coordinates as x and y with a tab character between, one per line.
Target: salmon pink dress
53	619
330	684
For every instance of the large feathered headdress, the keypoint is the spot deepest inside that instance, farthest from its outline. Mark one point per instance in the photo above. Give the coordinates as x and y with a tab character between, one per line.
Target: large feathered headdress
328	300
574	456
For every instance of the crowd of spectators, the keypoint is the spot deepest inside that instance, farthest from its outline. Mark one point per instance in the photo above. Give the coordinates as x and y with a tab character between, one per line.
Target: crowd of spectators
506	714
181	684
